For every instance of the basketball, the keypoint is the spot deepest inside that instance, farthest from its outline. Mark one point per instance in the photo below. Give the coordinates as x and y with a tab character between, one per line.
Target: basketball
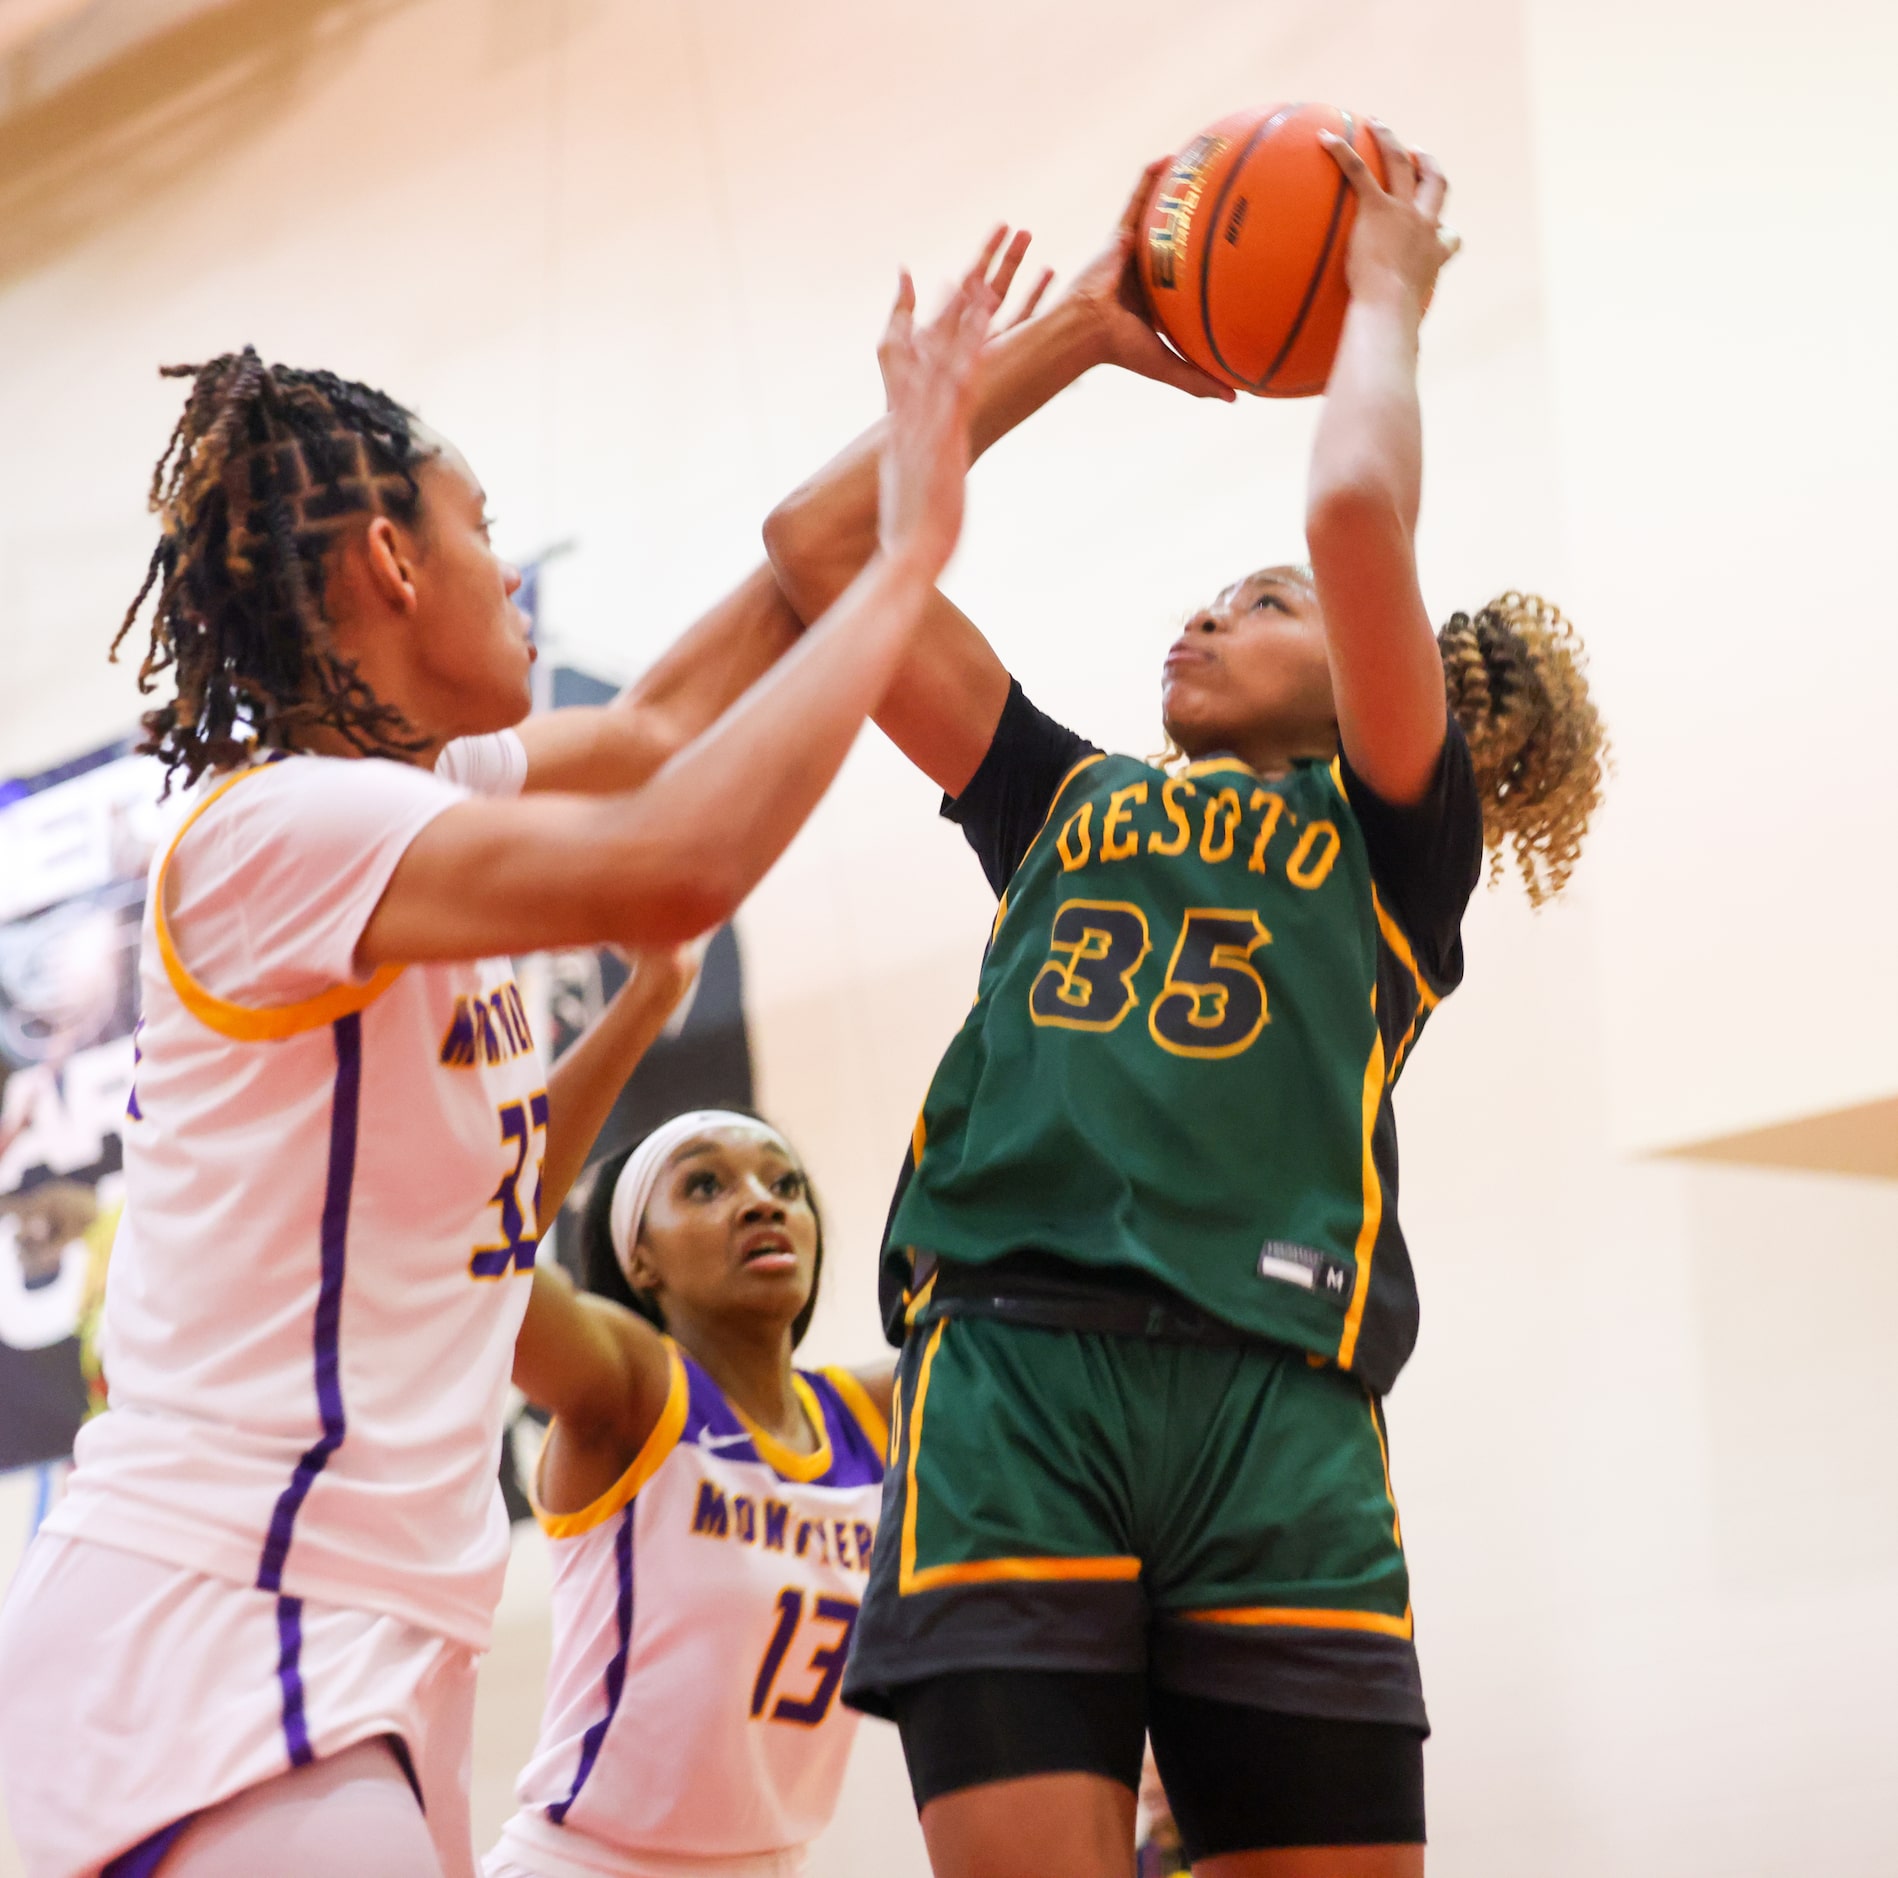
1243	242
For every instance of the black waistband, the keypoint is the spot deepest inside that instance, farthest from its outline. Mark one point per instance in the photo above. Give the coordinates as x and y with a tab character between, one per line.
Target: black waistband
1046	1292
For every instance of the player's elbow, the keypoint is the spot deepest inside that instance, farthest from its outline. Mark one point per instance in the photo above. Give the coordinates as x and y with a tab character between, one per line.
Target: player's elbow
787	529
807	544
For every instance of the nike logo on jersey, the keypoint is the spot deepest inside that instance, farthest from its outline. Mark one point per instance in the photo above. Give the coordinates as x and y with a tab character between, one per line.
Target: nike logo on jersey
711	1443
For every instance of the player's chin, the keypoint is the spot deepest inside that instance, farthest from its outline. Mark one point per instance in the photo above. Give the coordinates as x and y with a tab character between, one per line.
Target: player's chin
1196	723
506	698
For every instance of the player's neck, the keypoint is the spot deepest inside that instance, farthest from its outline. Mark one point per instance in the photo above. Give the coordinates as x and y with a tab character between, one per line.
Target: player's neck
1276	752
752	1366
323	740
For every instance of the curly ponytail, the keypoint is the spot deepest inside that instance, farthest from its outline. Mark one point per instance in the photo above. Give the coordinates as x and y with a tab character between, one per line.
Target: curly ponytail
1515	676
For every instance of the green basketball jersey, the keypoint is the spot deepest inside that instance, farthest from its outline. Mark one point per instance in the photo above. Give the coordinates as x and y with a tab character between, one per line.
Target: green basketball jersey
1193	1008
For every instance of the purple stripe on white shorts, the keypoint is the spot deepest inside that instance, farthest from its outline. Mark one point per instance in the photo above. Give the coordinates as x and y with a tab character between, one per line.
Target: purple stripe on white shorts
345	1103
145	1857
591	1741
296	1728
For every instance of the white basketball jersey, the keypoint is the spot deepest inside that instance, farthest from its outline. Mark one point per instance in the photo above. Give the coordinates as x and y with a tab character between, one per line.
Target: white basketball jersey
703	1609
330	1216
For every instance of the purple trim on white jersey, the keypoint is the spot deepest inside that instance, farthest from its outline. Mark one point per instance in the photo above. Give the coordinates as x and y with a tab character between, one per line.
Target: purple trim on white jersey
345	1105
711	1423
595	1736
855	1460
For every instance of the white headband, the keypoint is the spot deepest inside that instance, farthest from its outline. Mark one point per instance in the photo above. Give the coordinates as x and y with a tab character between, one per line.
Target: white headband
632	1192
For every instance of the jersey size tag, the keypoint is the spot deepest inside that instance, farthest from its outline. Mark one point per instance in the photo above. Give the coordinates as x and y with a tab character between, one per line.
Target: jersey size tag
1309	1269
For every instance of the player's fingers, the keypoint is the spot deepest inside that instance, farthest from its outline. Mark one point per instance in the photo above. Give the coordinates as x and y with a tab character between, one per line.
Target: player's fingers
973	327
938	338
1137	202
905	304
1432	185
1184	375
1400	172
1357	172
1025	311
985	259
898	341
1003	277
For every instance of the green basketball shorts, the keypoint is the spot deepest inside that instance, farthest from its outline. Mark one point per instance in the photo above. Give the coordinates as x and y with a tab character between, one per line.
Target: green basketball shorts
1218	1517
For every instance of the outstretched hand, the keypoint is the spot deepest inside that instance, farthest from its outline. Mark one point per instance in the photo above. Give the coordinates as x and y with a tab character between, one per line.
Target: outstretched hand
929	382
1398	241
998	263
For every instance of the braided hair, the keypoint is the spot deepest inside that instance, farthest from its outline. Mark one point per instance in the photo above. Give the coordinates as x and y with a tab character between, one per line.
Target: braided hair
266	467
600	1268
1516	679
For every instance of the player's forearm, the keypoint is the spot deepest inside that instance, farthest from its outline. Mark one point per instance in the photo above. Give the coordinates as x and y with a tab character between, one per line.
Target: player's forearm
1030	365
1368	450
552	1348
717	817
710	665
1360	529
594	751
825	530
600	1371
583	1086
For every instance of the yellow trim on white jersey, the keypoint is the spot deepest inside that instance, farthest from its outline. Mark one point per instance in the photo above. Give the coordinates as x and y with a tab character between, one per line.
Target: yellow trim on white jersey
663	1439
241	1023
773	1452
858	1400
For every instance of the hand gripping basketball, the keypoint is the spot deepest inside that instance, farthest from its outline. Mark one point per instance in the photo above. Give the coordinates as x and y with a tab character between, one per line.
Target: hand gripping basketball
1398	242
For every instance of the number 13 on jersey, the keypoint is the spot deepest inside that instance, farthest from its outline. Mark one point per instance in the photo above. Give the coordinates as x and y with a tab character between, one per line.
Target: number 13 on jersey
826	1659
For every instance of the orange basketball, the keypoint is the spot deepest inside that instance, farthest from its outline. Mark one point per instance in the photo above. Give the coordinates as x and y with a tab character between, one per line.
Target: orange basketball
1242	247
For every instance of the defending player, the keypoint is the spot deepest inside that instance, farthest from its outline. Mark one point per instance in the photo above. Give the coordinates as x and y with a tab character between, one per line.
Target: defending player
1148	1249
282	1544
711	1511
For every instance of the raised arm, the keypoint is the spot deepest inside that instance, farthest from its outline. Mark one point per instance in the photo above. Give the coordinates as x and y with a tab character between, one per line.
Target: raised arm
661	863
596	1366
1367	478
585	1083
595	749
591	1362
949	692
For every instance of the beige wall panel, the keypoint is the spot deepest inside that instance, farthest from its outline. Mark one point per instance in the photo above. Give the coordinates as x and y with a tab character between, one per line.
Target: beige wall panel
1716	184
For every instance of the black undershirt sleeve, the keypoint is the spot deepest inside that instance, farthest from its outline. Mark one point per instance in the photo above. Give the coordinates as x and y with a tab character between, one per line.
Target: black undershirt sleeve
1007	799
1427	856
